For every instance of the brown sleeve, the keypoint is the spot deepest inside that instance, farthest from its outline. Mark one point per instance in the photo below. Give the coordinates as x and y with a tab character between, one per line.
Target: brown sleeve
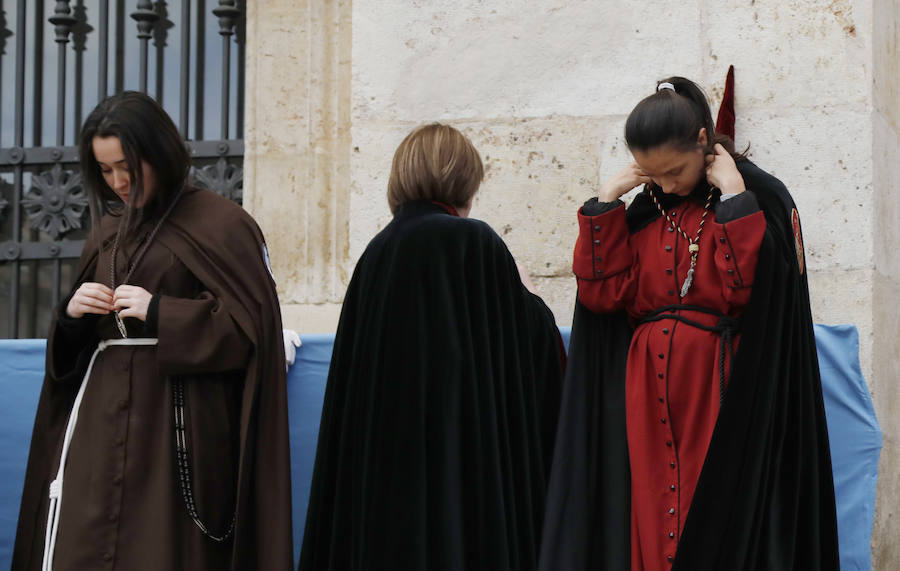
199	336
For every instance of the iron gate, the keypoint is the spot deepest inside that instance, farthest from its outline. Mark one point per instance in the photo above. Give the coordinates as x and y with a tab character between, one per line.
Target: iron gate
113	46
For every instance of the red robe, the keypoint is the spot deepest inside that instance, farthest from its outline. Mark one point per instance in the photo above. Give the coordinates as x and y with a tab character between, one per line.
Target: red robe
673	369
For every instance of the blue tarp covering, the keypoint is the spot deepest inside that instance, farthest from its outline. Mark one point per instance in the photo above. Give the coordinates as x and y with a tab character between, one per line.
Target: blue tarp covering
853	430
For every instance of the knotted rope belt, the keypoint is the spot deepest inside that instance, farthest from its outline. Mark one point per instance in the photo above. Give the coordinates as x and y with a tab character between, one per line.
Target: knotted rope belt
56	486
727	328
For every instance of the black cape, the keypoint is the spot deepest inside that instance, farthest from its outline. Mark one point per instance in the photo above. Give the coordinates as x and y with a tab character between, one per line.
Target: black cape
765	497
440	411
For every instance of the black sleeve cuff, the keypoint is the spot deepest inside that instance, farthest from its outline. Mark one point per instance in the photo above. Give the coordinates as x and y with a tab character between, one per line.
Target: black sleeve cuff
151	324
737	207
594	207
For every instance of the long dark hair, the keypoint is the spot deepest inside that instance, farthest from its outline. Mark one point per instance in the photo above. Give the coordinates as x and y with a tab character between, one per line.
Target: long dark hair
675	117
146	133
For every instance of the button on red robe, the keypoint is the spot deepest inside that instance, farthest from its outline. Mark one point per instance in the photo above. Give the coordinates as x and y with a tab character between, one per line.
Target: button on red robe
673	368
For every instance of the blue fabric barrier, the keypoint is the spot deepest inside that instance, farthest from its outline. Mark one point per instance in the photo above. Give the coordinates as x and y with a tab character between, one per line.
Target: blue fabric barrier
21	375
855	440
853	430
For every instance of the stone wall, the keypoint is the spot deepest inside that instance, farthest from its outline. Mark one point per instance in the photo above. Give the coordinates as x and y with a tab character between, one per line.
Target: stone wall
542	89
885	379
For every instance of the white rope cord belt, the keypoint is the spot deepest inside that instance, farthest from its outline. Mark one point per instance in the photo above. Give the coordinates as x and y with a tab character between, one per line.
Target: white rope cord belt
56	486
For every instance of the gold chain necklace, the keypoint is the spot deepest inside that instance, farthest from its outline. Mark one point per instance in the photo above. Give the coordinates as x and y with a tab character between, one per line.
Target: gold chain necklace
693	243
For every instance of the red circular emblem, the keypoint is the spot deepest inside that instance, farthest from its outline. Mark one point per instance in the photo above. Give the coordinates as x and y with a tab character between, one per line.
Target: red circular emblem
798	239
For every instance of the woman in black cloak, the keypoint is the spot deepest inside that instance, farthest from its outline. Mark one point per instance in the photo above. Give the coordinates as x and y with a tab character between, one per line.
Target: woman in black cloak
440	411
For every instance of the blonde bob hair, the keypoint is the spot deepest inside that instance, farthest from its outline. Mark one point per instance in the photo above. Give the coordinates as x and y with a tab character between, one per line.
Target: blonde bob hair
435	162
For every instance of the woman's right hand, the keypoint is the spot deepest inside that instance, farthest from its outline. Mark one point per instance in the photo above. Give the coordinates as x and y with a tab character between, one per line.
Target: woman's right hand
90	297
623	181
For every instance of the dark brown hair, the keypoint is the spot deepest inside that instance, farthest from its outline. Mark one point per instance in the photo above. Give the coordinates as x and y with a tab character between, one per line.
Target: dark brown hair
674	117
435	162
146	133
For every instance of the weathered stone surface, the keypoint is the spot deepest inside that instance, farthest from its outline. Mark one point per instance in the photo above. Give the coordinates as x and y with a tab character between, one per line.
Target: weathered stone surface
298	147
886	56
886	338
886	398
830	180
801	53
513	58
842	296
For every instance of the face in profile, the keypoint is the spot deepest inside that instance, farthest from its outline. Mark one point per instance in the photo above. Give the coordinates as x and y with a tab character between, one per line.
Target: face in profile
114	167
675	170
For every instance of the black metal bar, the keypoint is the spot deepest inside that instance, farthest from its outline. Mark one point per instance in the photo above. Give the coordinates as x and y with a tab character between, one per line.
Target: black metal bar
159	40
18	172
12	251
227	13
63	21
103	46
119	75
79	41
226	77
61	95
38	82
184	108
145	16
54	291
69	154
215	149
200	71
241	39
38	155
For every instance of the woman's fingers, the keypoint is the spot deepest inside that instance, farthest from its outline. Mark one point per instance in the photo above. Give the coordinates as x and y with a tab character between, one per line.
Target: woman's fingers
128	312
124	295
131	301
93	306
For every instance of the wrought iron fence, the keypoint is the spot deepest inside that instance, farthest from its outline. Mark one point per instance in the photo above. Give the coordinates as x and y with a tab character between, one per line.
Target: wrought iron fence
134	45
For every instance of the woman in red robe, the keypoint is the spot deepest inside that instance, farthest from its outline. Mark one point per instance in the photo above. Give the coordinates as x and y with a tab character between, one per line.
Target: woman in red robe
681	263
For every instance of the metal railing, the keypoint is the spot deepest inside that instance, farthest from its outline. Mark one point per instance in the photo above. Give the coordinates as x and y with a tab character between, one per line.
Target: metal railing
43	208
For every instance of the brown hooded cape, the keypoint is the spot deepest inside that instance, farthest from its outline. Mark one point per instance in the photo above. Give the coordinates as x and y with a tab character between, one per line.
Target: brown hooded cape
219	330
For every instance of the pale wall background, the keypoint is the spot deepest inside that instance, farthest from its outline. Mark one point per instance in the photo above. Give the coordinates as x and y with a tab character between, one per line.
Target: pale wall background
543	88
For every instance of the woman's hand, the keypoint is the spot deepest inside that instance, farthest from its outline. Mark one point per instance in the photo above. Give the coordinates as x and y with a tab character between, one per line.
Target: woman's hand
623	181
132	301
722	173
90	297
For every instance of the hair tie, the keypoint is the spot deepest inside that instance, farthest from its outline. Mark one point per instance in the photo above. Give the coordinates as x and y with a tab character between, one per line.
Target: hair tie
665	85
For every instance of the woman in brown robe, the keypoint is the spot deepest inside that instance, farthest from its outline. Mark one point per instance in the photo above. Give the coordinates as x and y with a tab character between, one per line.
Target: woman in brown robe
166	262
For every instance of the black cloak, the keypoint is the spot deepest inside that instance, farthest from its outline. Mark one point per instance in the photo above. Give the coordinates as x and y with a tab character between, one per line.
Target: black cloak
441	406
222	247
765	496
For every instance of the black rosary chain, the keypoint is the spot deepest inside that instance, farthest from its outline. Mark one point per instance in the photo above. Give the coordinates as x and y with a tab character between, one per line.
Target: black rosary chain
184	466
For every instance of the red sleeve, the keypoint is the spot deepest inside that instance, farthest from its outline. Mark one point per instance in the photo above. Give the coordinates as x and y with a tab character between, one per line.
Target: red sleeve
603	261
737	249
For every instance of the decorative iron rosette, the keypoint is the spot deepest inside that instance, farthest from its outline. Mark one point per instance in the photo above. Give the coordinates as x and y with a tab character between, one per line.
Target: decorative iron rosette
56	201
222	178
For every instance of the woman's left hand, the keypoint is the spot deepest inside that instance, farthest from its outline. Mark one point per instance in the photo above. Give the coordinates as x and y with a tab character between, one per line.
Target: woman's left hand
132	301
722	172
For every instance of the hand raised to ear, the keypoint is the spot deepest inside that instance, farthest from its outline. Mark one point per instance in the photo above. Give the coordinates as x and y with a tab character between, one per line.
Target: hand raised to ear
623	181
722	172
